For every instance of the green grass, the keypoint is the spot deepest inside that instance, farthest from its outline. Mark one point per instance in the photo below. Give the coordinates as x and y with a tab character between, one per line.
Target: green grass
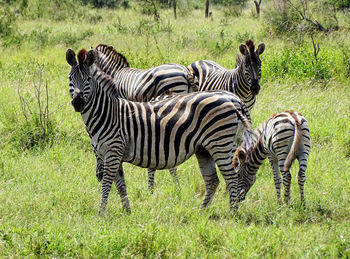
49	195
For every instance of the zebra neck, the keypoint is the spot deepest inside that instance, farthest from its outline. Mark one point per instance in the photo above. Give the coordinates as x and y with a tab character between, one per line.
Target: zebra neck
108	83
99	109
257	154
241	85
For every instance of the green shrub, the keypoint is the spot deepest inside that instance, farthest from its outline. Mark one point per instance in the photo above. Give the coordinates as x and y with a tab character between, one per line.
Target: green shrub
340	3
281	21
7	20
105	3
58	10
298	17
32	125
30	134
298	63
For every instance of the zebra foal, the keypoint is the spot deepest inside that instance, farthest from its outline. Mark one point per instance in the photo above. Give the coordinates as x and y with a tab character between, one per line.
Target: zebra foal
282	138
159	134
242	81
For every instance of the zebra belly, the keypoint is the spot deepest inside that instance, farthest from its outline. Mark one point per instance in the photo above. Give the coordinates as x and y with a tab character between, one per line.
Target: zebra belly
161	159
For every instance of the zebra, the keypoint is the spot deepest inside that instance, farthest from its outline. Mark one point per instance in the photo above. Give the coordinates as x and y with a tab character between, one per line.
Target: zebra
281	138
159	134
144	84
242	81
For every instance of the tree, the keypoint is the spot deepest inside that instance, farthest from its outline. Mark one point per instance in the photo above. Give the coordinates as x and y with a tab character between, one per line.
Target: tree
257	6
206	8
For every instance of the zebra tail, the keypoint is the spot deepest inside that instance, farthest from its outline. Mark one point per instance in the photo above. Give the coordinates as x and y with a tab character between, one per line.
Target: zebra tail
248	132
295	145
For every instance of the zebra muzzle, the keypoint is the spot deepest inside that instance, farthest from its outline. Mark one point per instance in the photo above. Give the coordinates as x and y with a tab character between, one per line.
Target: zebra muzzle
255	88
78	102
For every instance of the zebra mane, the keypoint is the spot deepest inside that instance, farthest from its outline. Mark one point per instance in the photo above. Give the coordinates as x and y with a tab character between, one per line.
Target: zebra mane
291	113
250	45
109	59
81	56
251	48
113	84
250	140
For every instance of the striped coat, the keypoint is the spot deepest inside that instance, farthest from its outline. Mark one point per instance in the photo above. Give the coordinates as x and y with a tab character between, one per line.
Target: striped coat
282	138
160	134
242	81
143	84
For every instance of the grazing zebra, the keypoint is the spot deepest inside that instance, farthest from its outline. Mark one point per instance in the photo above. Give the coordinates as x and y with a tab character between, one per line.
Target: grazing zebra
144	84
159	134
282	138
242	81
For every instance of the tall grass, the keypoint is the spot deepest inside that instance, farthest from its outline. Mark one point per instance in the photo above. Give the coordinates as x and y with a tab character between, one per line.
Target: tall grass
49	195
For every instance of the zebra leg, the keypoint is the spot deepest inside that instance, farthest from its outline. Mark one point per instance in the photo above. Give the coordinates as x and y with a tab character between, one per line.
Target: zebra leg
151	173
207	167
301	175
224	162
174	175
121	187
111	165
287	179
99	168
151	179
107	181
301	181
276	178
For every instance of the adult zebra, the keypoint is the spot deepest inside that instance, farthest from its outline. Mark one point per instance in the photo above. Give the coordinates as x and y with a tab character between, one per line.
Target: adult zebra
282	138
160	134
143	84
242	81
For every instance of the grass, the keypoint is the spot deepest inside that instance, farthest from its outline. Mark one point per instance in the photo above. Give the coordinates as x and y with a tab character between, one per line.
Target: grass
49	195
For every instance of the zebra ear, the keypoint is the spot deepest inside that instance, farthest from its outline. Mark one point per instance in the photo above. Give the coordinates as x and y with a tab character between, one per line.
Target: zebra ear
261	49
241	156
70	57
243	49
90	57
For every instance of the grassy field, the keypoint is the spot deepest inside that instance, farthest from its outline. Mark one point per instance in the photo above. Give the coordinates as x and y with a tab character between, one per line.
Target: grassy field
49	194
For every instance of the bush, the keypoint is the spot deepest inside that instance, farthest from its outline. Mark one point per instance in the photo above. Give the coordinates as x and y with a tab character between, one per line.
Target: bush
107	3
7	20
298	63
34	127
280	21
298	17
340	3
58	10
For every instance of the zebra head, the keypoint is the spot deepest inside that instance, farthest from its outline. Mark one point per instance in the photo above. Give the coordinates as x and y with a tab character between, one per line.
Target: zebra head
246	174
80	77
250	61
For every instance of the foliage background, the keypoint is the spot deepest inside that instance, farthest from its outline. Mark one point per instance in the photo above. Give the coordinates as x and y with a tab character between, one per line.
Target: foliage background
48	192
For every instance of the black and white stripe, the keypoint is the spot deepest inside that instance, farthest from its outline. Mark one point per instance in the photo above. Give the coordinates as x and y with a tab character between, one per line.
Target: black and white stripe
160	134
242	81
282	138
144	84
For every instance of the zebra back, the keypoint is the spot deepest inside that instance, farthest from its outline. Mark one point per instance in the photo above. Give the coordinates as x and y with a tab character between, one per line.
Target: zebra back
283	138
242	81
298	120
143	84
